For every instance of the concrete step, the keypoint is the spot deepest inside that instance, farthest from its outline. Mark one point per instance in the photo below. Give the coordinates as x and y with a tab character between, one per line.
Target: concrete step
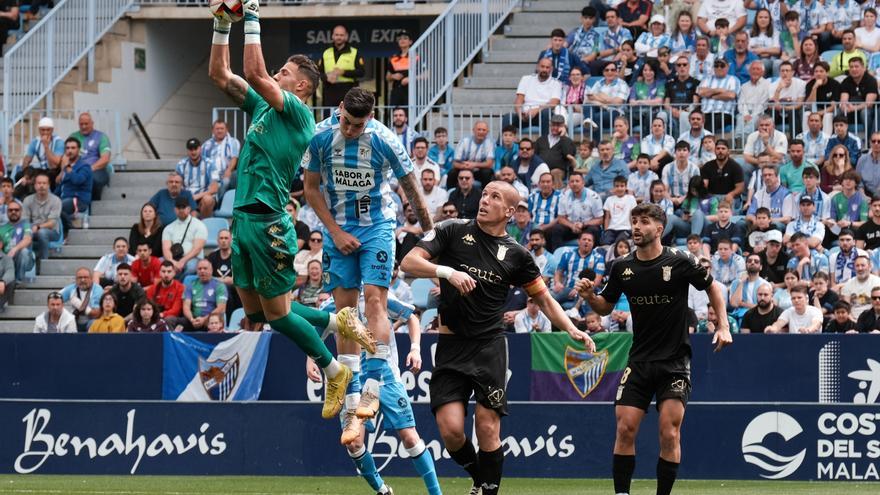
81	252
117	207
150	166
548	20
503	70
550	6
65	266
30	297
140	179
136	192
17	326
23	313
534	30
52	282
464	96
506	83
96	237
526	45
510	56
111	221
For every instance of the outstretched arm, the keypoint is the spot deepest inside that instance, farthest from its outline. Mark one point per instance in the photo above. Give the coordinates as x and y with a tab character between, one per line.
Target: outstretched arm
254	66
219	68
416	200
557	316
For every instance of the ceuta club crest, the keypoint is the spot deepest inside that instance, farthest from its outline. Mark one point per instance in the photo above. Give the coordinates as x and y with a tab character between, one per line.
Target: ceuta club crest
585	369
219	377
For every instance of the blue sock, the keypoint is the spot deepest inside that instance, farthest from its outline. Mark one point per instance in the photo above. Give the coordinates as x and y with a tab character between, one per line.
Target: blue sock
367	468
423	461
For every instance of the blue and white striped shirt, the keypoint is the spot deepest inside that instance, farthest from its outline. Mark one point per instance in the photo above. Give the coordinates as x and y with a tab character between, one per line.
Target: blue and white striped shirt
818	263
640	185
648	44
683	42
613	39
221	153
653	146
36	150
583	42
544	210
726	272
727	83
586	207
356	172
197	178
811	16
572	263
677	180
843	16
617	89
814	147
470	150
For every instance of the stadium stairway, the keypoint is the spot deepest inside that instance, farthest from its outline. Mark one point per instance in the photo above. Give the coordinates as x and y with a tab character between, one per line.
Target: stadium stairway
111	217
514	54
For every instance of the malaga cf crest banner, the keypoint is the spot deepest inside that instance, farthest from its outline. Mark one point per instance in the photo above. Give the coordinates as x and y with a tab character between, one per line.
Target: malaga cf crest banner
563	370
193	370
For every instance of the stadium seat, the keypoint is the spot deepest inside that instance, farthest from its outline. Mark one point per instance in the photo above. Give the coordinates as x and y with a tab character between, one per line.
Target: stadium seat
427	316
829	55
214	225
235	320
225	210
420	289
57	246
561	250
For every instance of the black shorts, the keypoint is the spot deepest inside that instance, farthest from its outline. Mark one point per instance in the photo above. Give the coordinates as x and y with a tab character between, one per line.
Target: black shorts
464	366
641	381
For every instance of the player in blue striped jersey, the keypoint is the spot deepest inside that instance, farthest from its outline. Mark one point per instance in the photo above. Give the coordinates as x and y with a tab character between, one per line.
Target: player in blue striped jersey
354	156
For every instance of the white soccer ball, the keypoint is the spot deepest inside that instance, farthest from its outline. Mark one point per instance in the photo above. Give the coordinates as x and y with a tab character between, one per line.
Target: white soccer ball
230	10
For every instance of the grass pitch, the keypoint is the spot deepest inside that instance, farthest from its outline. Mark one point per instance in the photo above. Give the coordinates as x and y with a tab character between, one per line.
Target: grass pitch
213	485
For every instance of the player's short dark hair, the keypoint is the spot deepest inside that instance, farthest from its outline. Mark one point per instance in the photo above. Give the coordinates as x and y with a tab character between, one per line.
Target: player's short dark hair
418	140
849	232
123	266
440	130
812	172
358	102
620	179
588	11
41	173
72	140
538	232
307	69
651	211
577	173
587	273
682	145
763	211
557	33
799	236
840	304
792	15
694	237
167	263
722	22
144	243
643	156
724	240
795	142
509	128
840	118
120	239
801	288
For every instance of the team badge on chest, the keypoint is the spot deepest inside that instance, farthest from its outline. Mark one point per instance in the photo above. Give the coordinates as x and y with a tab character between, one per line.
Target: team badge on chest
667	273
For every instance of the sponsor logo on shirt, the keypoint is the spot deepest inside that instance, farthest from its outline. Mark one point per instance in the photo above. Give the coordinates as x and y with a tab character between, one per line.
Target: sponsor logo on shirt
352	179
468	239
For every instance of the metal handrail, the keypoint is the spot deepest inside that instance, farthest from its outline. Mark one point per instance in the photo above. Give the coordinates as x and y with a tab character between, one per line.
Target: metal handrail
448	45
44	56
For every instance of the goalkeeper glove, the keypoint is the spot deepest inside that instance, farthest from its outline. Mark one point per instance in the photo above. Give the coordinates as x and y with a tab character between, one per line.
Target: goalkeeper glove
221	31
251	22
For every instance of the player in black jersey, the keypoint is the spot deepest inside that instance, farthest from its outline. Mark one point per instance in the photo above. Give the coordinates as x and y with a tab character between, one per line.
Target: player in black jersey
655	280
477	262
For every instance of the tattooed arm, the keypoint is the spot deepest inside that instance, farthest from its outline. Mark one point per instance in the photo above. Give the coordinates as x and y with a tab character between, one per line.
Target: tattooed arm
221	74
414	195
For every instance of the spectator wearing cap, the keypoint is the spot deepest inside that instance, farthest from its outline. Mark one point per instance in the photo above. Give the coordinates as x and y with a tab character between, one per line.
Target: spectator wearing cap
397	71
165	199
200	177
583	42
634	15
95	151
649	42
222	150
183	239
536	96
56	318
559	55
718	93
774	259
521	226
75	182
557	150
47	149
580	210
807	224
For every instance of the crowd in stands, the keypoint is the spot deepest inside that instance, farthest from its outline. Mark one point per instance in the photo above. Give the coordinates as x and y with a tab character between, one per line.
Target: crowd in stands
790	228
16	16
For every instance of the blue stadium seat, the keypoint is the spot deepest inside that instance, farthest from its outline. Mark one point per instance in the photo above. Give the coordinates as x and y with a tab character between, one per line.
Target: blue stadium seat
420	288
426	318
828	55
214	225
593	80
235	320
225	210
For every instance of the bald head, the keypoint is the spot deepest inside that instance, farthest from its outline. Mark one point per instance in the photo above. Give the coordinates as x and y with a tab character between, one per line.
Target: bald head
508	192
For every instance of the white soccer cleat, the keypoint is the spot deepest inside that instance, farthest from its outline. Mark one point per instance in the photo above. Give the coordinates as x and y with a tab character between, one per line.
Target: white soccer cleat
369	404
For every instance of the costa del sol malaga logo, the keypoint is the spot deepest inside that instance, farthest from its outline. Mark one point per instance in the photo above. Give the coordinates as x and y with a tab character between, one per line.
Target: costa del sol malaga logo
772	464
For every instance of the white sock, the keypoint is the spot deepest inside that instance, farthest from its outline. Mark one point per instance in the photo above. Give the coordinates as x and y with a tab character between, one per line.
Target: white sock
332	369
332	325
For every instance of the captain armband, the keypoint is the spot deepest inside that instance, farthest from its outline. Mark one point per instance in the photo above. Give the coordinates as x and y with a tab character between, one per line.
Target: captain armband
535	287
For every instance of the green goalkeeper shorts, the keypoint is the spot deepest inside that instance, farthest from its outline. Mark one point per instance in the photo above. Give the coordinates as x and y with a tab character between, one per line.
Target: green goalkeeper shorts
263	248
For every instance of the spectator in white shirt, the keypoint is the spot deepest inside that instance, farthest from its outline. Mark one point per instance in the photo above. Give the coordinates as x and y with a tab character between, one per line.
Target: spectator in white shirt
56	318
702	59
536	95
786	96
531	320
800	317
753	98
434	196
732	10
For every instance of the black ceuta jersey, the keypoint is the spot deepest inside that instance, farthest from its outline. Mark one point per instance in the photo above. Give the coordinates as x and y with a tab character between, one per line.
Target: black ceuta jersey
657	292
495	263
